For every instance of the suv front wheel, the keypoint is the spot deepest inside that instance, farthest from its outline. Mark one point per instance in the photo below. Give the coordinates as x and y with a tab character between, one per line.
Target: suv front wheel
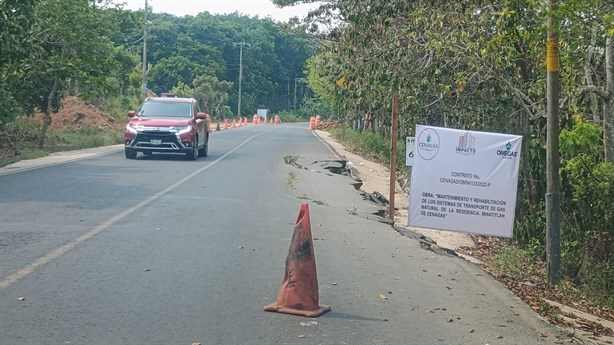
130	153
205	150
192	154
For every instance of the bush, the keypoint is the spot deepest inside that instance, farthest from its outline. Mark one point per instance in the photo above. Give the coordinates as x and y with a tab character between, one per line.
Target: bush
587	227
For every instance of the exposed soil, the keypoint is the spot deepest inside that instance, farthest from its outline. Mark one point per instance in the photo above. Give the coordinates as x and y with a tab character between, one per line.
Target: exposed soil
76	114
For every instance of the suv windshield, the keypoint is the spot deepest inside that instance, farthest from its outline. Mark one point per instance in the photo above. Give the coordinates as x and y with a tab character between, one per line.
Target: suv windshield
159	109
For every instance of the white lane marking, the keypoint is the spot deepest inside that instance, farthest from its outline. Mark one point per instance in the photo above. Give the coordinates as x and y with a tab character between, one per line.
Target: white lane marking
40	262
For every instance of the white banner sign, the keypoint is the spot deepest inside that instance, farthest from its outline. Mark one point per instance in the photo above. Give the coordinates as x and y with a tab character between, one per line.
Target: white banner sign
464	181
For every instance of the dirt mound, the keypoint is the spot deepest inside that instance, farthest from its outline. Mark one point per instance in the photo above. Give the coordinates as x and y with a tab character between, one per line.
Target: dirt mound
76	114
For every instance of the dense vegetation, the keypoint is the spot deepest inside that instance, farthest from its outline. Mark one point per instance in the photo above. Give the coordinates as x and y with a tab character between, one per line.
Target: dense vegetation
93	49
480	65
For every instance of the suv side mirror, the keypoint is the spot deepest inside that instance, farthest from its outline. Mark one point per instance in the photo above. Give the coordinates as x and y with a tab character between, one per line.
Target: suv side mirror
202	116
131	113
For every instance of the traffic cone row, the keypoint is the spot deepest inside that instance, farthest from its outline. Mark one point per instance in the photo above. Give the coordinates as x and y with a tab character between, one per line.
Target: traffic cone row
243	121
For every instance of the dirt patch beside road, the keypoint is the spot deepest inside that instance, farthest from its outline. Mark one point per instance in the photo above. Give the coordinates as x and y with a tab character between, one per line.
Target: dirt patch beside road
75	115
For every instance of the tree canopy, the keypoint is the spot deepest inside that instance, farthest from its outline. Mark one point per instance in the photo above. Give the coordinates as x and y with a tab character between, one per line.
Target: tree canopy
52	48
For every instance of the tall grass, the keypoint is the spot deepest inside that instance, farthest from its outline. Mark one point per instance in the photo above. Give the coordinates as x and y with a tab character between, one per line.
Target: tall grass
84	139
370	145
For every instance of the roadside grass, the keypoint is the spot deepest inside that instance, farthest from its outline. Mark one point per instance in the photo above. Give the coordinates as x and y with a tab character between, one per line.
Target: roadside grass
20	141
371	145
512	261
84	139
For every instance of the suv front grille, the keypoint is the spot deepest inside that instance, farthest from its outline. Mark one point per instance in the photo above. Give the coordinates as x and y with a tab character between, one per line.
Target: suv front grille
156	140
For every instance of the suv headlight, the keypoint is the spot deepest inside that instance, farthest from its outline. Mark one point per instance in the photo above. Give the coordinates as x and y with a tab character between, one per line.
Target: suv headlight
131	128
183	130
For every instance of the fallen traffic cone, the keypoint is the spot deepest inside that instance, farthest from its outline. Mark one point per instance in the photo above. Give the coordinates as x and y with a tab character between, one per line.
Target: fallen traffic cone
299	293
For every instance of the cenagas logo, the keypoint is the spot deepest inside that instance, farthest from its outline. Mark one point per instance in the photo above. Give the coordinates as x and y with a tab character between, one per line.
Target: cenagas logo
428	144
507	153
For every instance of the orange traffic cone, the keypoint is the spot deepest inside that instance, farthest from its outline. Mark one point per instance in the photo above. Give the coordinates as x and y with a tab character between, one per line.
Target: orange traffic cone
234	123
225	123
299	293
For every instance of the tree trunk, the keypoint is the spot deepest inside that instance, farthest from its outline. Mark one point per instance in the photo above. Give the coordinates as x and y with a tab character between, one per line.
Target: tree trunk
608	114
47	114
594	105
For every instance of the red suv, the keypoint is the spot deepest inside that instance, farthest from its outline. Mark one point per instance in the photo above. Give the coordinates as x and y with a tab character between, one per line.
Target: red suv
167	125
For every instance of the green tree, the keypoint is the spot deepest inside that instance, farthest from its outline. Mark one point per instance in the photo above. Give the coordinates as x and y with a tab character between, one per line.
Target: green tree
73	50
16	44
211	93
169	72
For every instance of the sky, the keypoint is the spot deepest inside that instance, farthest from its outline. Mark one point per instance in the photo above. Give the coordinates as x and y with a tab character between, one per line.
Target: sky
260	8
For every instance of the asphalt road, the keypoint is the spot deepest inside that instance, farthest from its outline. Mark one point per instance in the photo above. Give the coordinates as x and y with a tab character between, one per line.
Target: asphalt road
161	250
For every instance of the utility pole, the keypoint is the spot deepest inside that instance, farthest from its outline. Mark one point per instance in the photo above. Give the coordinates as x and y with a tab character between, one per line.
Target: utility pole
553	183
240	74
294	107
144	83
393	154
299	80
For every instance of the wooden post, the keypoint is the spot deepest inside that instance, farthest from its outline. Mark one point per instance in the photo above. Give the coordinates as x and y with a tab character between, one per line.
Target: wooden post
553	198
393	153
